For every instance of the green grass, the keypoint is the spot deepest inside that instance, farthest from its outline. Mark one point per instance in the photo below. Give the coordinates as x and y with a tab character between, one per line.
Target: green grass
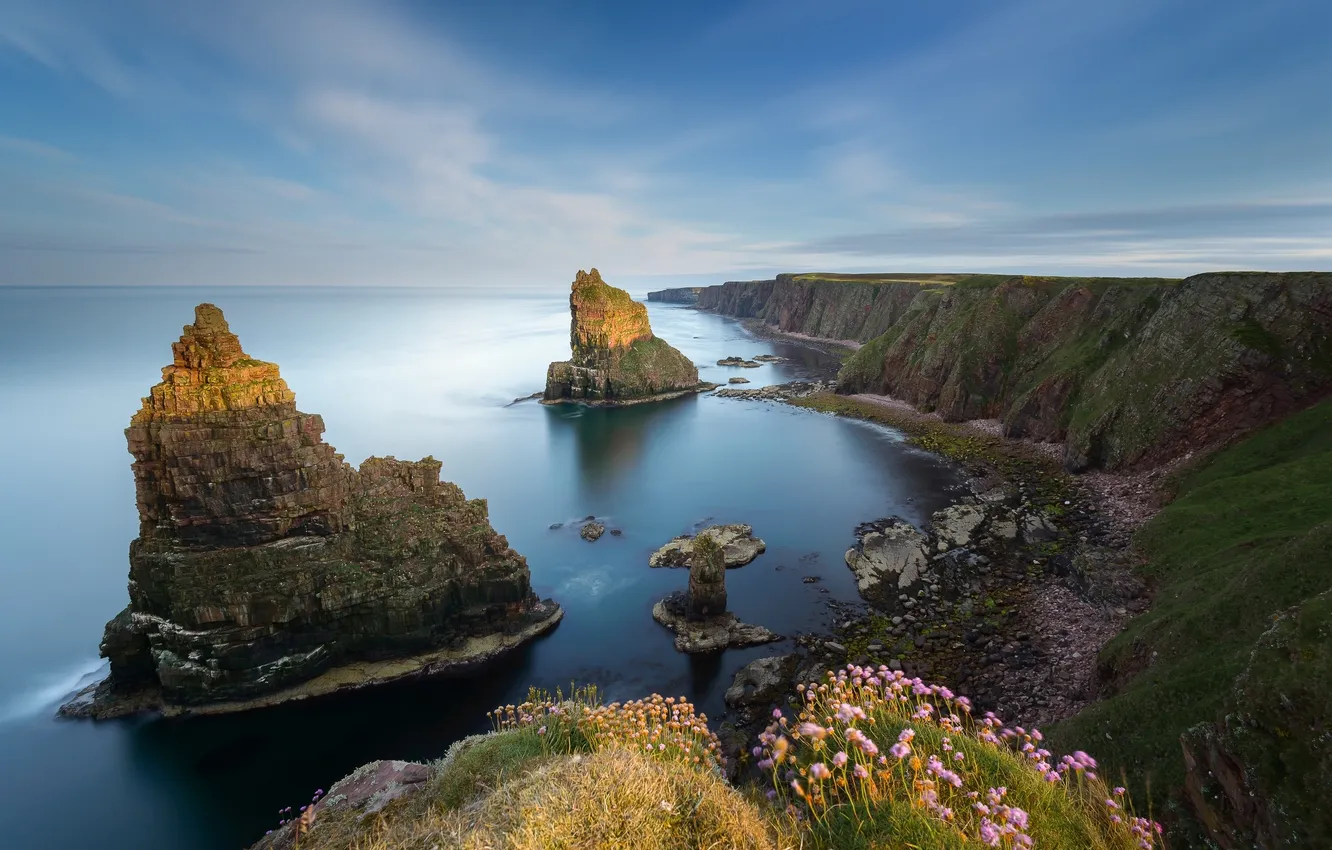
483	761
1249	535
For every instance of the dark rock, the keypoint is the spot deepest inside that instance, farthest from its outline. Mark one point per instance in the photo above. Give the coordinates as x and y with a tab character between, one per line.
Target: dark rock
762	683
592	531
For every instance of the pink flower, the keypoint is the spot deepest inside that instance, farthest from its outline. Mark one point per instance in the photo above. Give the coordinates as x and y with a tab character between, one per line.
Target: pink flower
900	750
859	771
839	760
812	730
907	735
819	770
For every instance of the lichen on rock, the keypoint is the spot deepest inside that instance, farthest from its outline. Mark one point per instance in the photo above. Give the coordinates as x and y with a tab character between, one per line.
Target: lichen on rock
737	541
616	358
266	568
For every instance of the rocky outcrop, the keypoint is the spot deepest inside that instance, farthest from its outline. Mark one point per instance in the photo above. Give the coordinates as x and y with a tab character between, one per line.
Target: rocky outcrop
699	617
892	560
734	360
737	541
616	359
363	793
1126	372
679	295
1258	776
267	569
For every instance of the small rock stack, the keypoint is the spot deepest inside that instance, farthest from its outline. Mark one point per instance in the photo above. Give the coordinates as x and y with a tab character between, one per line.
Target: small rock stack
616	358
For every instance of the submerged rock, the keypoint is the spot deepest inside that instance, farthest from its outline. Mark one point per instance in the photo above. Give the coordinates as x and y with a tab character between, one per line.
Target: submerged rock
737	541
771	358
267	569
616	358
738	361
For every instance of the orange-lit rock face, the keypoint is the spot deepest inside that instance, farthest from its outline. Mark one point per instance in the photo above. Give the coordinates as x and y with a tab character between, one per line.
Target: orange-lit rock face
615	356
221	454
604	317
211	372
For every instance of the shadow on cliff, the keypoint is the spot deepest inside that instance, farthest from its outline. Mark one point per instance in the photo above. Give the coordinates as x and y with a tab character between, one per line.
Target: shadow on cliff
609	442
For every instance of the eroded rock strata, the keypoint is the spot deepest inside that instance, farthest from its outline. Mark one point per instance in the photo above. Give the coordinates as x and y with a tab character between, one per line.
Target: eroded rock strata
267	568
616	358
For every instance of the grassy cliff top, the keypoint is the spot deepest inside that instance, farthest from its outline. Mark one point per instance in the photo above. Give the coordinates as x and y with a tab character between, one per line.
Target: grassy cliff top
1248	536
975	280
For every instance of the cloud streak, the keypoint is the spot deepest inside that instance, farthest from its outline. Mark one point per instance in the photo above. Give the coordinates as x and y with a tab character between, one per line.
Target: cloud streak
346	142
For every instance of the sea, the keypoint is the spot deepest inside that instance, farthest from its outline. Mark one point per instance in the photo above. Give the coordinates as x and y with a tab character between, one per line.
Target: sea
408	373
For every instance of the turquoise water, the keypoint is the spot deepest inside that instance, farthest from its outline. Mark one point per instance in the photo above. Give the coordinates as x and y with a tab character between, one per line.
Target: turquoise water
404	373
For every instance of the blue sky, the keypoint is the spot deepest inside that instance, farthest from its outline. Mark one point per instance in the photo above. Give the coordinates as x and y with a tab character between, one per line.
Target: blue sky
503	143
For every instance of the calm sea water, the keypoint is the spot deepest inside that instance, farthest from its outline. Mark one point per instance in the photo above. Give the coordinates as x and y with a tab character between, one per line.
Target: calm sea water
404	373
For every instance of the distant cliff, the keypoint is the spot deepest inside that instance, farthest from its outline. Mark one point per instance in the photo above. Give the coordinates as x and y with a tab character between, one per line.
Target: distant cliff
1126	371
268	569
616	358
682	295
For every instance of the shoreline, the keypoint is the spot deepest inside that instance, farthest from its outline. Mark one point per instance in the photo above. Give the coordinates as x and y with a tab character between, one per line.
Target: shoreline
1062	599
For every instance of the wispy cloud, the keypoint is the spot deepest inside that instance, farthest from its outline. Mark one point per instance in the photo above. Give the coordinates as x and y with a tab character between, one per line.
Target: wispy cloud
336	141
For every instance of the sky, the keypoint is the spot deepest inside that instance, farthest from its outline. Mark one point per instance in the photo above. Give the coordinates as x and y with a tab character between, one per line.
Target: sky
508	144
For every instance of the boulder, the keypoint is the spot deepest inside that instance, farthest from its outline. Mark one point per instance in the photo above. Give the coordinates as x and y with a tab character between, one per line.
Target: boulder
737	380
761	684
890	558
956	524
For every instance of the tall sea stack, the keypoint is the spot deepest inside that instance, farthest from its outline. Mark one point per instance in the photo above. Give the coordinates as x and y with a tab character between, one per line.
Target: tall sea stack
268	569
616	358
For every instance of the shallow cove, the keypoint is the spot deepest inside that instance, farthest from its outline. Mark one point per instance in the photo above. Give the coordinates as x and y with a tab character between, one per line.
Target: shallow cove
407	373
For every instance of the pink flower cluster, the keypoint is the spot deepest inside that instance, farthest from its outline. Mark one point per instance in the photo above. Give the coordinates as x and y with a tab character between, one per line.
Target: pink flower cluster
829	755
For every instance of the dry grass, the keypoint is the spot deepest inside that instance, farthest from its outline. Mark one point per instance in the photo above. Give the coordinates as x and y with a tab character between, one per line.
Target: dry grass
615	799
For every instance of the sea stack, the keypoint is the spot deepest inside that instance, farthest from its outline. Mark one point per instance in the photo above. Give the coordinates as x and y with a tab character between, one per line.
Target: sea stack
616	358
267	569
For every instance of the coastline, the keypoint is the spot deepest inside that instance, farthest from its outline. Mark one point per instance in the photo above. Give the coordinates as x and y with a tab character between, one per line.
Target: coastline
1060	600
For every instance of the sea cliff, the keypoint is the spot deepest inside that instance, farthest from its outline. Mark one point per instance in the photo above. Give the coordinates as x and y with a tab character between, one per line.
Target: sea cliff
616	358
679	295
266	568
1126	372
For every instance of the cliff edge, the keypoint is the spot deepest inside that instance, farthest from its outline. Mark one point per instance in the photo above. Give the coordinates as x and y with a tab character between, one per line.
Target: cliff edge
268	569
616	358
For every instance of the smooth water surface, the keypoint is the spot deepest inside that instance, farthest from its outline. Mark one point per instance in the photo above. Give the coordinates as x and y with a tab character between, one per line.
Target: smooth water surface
405	373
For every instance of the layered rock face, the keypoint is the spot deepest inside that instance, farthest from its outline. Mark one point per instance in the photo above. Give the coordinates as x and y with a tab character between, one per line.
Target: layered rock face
616	359
266	568
1126	372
